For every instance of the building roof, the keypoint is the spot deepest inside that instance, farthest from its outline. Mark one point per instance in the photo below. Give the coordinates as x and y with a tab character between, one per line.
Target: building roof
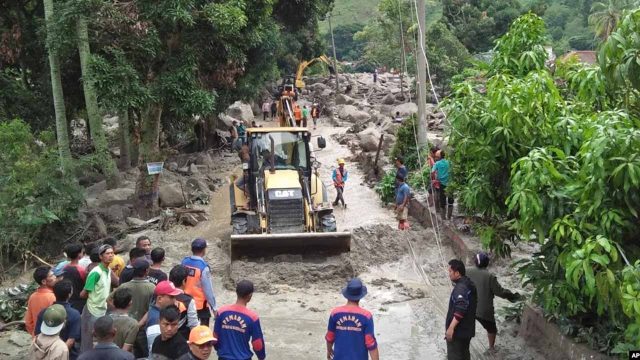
584	56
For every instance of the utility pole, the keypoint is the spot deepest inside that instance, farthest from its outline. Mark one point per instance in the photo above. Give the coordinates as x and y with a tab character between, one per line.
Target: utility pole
335	59
402	58
422	75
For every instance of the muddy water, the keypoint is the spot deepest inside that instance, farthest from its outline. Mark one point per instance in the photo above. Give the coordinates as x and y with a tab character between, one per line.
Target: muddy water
295	294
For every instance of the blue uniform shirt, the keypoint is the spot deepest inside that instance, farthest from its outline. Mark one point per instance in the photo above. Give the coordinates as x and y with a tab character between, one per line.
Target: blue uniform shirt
235	326
351	332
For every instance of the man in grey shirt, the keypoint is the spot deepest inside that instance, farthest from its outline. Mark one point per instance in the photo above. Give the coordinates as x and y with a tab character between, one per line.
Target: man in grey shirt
488	286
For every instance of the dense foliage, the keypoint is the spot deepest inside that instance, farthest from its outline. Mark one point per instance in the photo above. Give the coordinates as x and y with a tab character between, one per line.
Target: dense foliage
33	191
553	158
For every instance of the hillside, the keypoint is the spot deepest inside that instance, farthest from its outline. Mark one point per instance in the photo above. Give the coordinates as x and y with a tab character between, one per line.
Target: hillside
347	12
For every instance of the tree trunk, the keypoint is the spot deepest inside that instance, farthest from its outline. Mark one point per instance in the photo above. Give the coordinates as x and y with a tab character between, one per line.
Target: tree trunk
125	153
62	131
146	198
135	137
91	101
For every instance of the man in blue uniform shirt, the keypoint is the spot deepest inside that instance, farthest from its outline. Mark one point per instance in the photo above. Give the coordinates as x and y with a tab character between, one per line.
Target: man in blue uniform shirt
350	334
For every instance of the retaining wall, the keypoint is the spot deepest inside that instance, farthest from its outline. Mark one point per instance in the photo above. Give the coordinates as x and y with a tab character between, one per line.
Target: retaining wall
534	328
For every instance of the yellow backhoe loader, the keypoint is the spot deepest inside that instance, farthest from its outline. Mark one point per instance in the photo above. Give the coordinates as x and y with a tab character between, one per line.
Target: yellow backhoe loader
280	204
305	64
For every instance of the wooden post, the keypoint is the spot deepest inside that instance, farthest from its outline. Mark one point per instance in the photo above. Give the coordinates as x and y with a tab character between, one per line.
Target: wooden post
375	164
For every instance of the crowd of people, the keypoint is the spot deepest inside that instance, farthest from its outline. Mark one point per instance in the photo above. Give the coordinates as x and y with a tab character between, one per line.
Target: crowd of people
101	307
98	306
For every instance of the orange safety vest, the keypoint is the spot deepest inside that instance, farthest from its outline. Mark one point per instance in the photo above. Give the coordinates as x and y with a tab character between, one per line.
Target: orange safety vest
195	267
314	112
297	113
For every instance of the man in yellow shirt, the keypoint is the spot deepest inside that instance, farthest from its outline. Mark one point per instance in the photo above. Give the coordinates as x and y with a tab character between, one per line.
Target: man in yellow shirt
118	263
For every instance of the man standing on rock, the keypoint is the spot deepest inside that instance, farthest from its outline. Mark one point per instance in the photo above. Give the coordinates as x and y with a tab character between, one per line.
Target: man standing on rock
460	321
339	177
488	286
199	284
96	291
237	325
403	196
350	334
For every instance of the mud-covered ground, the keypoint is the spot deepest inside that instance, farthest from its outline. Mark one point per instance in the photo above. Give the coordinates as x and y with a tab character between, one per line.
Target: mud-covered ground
405	273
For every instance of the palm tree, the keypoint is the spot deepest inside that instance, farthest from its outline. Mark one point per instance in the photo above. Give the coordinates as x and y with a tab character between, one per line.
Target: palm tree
91	102
605	15
56	89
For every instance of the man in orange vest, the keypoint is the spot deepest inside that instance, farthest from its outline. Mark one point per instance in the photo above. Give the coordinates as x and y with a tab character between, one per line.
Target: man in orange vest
199	284
339	178
297	113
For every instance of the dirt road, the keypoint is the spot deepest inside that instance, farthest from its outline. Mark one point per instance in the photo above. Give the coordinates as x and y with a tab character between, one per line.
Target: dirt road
295	294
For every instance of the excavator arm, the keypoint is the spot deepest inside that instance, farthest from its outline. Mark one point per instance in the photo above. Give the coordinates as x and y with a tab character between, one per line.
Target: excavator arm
305	64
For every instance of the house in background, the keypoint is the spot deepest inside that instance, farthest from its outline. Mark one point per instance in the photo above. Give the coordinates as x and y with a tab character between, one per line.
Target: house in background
584	56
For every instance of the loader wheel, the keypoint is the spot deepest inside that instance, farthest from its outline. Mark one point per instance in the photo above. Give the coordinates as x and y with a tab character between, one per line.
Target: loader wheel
239	224
328	223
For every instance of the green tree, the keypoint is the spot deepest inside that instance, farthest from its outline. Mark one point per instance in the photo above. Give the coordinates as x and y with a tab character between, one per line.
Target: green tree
56	89
606	14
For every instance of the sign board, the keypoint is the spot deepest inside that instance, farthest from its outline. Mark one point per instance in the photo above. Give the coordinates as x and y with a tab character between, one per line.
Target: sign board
155	168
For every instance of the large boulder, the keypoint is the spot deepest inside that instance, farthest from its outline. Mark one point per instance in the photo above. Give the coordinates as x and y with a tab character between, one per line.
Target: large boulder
352	114
317	87
240	110
171	195
406	109
369	139
342	99
389	99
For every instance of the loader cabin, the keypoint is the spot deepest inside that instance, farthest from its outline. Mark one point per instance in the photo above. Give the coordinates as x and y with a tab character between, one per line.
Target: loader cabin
279	148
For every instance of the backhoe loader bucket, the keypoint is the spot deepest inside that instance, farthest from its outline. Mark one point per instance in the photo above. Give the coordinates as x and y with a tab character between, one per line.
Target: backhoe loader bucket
296	243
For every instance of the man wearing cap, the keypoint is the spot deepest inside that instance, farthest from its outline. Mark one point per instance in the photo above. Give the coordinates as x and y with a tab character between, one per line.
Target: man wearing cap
339	177
141	290
70	333
236	326
165	293
42	298
403	196
48	345
141	295
105	349
488	286
199	284
461	315
200	343
350	334
127	273
96	291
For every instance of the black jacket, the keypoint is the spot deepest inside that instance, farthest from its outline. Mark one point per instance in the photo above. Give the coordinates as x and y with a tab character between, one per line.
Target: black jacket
462	305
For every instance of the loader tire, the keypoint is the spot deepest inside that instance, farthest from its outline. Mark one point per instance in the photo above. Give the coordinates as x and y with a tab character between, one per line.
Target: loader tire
328	223
239	224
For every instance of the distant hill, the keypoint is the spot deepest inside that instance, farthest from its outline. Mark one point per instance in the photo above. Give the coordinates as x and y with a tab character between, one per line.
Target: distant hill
351	12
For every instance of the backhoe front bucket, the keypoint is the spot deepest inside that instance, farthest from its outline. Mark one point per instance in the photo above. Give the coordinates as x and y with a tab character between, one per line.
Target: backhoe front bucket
295	243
